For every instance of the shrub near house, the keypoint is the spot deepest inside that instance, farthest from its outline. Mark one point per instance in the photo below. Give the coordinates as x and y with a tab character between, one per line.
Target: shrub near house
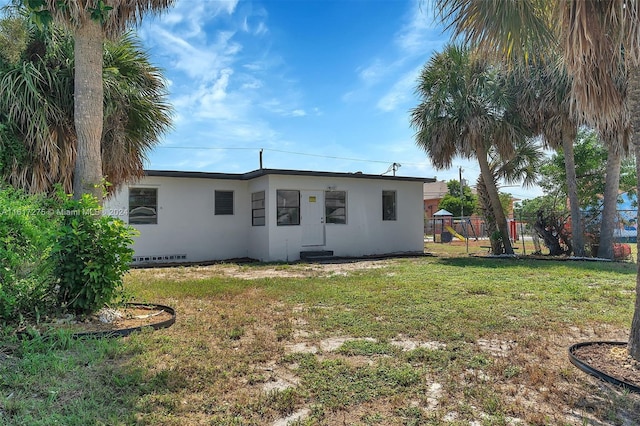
58	254
26	274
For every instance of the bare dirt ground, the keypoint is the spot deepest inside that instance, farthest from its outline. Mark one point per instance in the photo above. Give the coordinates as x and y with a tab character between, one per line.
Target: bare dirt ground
547	390
296	270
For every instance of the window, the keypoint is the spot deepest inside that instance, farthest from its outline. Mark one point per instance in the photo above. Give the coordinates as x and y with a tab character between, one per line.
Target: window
143	206
288	207
335	206
388	205
257	209
223	204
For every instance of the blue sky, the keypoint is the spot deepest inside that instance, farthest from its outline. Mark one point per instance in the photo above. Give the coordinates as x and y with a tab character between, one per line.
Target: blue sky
330	79
318	84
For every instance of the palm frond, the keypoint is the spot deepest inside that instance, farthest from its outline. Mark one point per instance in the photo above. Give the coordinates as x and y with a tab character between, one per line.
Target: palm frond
37	99
496	26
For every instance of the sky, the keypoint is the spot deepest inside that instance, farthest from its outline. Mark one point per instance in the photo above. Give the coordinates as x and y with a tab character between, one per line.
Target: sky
323	85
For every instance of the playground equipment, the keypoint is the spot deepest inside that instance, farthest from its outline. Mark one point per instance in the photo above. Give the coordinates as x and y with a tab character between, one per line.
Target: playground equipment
454	233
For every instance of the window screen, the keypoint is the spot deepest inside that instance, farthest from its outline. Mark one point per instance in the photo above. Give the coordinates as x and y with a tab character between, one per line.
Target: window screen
335	206
257	209
288	207
223	204
389	205
143	206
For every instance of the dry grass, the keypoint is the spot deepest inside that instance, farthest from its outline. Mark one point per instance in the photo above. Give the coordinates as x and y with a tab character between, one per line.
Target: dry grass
443	340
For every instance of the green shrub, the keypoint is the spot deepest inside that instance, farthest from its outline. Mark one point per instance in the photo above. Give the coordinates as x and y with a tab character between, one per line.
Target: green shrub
91	255
27	224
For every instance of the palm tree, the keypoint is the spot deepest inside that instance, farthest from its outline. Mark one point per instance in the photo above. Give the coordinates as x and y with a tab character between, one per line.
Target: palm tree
465	111
522	167
36	108
544	102
91	21
598	39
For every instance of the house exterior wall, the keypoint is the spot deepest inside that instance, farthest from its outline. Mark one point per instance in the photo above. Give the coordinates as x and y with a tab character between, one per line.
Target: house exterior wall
186	224
258	243
365	233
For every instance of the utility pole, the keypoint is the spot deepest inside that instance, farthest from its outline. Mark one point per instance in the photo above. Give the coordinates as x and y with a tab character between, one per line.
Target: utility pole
464	228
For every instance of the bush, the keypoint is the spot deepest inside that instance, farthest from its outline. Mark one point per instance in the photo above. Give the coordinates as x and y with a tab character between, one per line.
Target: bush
91	255
27	227
56	252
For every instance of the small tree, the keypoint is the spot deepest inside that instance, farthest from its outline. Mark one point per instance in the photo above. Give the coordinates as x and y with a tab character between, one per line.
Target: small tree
91	255
458	201
591	157
549	219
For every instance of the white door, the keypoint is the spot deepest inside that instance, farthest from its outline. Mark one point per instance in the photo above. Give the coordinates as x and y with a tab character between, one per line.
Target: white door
312	218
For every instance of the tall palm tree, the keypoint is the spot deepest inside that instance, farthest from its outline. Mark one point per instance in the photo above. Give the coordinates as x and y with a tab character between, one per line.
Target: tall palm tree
91	21
544	102
597	39
36	107
465	110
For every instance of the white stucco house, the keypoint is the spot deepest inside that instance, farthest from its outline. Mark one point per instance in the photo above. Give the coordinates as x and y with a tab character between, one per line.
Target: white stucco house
270	215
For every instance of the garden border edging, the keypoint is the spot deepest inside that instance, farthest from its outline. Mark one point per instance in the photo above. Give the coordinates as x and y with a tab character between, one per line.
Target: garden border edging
597	373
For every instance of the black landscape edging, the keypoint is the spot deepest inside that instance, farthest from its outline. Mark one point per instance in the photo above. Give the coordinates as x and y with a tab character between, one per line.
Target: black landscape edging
597	373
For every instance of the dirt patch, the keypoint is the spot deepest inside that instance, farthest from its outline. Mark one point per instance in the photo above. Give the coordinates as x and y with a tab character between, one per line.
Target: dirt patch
296	270
298	416
497	348
407	344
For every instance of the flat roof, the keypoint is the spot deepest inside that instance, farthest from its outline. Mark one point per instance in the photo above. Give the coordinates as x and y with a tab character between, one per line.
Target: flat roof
264	172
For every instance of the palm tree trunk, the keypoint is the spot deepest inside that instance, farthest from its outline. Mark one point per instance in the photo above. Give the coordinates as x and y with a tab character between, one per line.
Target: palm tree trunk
577	229
612	182
492	191
633	103
88	108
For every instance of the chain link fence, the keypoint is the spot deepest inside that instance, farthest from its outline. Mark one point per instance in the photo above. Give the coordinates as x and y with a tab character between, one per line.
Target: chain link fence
444	229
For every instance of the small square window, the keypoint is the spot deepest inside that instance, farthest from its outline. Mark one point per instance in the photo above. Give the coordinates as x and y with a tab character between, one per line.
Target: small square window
223	204
143	206
389	208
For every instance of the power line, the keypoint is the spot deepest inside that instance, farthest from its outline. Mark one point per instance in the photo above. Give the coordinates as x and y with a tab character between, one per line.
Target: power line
286	152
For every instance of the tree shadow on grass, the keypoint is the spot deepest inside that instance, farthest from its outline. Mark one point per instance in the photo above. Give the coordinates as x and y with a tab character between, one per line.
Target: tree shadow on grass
508	263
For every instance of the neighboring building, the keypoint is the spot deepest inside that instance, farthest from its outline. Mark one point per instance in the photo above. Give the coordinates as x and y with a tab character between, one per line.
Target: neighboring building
270	215
433	192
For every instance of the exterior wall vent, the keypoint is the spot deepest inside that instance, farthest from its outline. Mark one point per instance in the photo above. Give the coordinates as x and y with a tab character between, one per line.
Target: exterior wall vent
160	258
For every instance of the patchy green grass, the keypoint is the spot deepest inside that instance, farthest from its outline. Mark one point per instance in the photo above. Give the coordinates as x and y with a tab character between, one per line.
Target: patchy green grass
421	341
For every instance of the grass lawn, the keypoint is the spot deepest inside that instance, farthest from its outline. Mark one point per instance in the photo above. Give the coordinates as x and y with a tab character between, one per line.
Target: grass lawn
450	339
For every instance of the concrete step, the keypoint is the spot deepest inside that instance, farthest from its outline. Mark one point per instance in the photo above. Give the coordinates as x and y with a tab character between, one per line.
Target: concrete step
316	254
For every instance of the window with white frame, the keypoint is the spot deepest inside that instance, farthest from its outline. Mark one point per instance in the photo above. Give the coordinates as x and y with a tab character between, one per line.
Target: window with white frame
258	208
288	207
143	206
389	205
335	207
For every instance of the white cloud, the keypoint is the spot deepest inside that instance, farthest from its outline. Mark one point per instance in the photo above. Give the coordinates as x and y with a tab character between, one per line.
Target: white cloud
412	44
190	17
219	89
298	113
251	83
373	72
418	32
401	92
261	29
